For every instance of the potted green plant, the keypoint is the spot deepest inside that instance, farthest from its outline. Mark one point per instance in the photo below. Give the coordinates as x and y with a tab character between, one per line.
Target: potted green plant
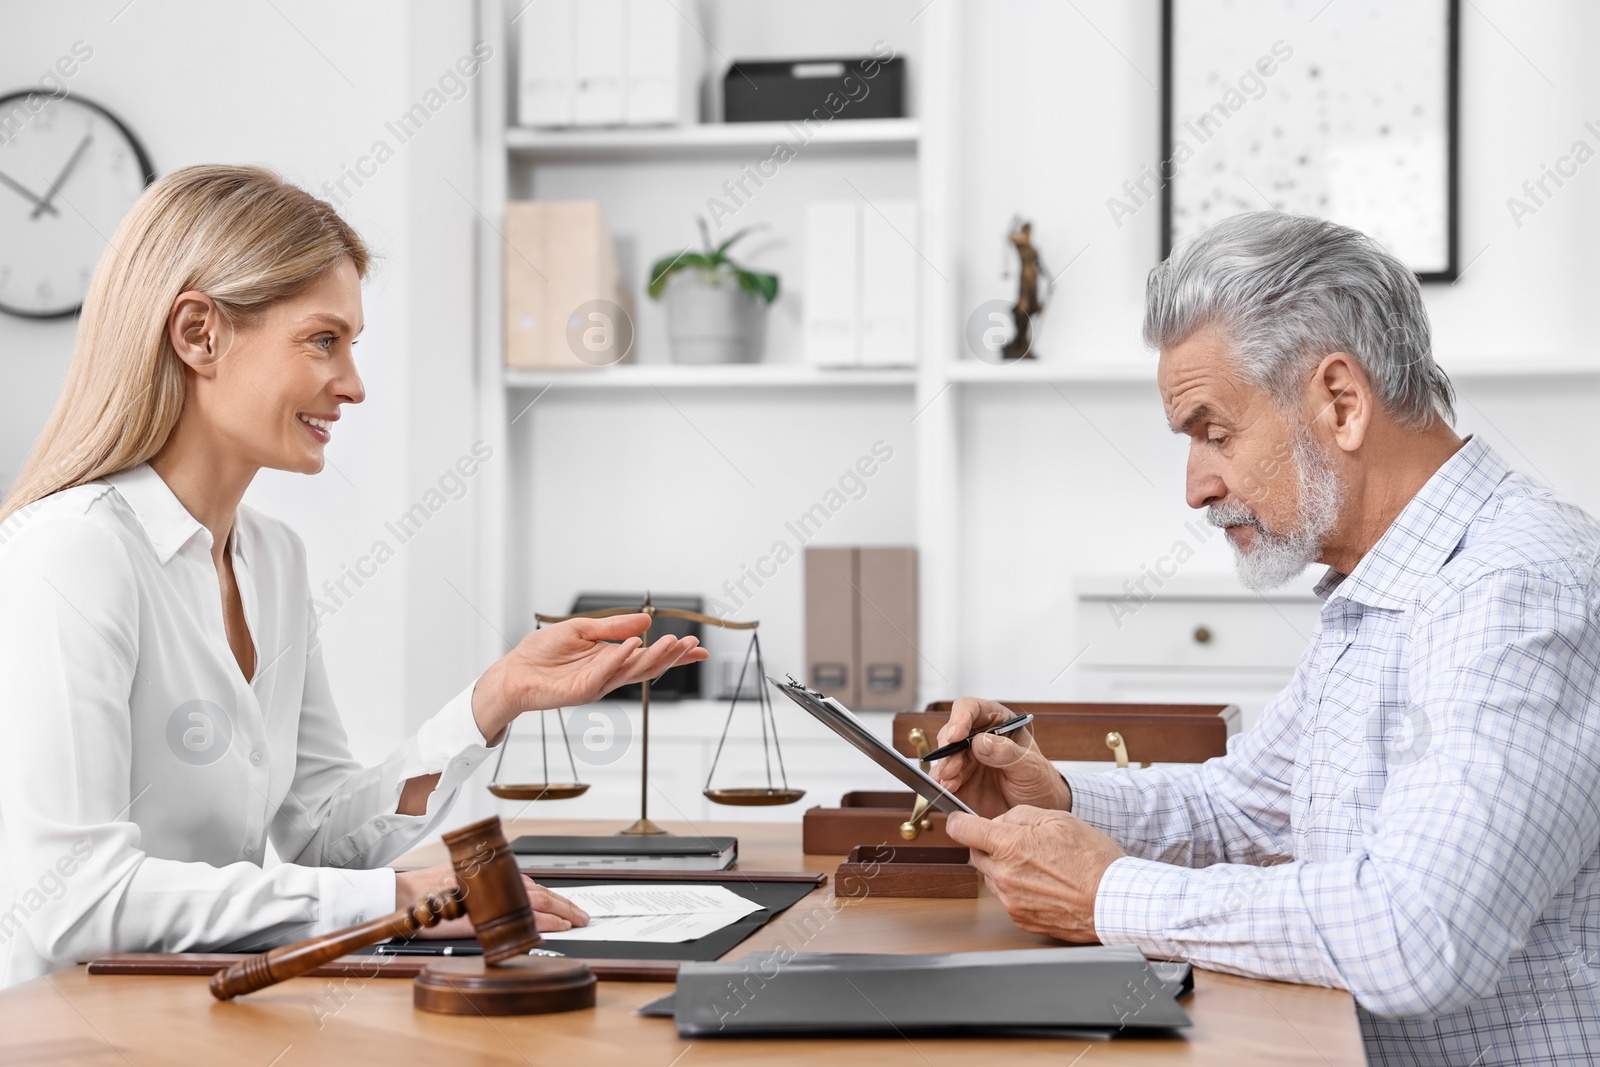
716	309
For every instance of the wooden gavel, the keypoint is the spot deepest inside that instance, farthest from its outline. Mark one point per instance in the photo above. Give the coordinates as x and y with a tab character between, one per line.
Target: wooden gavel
489	890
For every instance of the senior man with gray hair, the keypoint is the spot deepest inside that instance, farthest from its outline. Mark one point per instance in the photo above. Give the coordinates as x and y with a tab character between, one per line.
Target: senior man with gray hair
1416	818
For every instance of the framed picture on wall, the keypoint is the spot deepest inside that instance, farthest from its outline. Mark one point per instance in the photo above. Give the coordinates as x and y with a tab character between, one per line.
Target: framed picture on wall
1345	110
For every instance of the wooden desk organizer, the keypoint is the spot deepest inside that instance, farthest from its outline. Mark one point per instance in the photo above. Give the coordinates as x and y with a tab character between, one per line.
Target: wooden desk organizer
907	871
867	817
1088	732
1151	733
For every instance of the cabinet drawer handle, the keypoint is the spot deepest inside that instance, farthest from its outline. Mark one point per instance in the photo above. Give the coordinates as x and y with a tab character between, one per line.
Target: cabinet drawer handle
1202	635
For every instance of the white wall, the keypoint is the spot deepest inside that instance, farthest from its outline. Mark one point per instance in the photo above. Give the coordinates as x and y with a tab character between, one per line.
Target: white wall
1063	106
306	88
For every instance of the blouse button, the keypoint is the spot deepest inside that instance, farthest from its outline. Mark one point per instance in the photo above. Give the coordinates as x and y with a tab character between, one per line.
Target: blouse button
255	757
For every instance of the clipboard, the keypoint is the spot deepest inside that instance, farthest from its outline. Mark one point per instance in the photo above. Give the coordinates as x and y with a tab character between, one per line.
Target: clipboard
842	721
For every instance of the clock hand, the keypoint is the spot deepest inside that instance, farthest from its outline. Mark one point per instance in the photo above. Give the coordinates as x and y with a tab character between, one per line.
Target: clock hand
27	193
72	161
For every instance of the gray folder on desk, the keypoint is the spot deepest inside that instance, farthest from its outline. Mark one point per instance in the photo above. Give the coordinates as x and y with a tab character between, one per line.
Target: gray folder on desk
1025	990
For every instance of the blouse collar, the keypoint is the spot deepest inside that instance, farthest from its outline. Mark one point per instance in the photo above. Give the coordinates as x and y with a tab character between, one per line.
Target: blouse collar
167	523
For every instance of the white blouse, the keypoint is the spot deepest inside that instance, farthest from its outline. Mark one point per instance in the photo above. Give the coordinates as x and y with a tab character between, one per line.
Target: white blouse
140	774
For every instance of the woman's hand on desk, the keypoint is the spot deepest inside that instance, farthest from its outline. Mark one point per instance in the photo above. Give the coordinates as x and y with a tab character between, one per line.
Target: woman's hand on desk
551	911
998	772
573	662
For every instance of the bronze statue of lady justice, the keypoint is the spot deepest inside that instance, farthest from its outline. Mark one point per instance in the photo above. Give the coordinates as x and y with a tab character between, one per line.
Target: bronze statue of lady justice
1029	303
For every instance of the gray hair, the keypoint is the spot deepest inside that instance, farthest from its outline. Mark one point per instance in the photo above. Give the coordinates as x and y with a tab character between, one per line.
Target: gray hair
1289	289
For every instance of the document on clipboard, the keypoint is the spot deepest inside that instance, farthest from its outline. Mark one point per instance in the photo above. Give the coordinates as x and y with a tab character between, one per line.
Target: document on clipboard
842	721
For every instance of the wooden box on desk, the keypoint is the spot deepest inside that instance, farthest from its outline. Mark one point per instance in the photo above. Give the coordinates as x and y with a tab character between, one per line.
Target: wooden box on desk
1153	733
902	870
866	818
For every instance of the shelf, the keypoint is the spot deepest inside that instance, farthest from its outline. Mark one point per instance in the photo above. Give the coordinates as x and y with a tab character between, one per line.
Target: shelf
1035	372
720	376
1505	368
619	143
1143	370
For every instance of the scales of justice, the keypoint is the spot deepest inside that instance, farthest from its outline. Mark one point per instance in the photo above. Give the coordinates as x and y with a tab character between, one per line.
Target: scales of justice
744	796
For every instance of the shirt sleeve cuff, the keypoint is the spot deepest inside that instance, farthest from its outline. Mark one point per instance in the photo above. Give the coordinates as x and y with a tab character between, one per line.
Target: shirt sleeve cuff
1134	898
349	897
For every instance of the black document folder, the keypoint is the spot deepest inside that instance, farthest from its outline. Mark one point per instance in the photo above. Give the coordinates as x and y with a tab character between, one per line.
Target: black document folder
774	898
1021	991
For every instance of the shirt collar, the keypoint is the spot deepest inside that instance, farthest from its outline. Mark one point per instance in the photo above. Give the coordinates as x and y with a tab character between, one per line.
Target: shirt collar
1425	534
167	523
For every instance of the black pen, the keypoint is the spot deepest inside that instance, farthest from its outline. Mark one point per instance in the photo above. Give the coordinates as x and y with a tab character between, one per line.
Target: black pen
427	950
966	742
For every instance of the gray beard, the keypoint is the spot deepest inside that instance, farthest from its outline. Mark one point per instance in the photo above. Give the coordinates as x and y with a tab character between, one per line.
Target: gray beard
1274	559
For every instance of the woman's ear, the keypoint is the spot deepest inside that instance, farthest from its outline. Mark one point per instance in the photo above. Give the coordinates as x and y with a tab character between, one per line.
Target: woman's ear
195	328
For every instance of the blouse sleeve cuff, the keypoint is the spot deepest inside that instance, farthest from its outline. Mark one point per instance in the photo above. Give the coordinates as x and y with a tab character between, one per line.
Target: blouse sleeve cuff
449	743
1134	899
349	897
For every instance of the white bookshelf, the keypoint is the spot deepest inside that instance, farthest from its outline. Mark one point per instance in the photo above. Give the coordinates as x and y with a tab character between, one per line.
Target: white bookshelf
589	453
1033	372
729	376
712	138
1142	370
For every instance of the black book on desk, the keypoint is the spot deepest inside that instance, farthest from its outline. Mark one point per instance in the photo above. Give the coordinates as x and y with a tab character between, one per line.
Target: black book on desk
618	853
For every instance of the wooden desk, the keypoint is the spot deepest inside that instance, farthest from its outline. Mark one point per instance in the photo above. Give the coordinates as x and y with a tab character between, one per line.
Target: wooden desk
133	1021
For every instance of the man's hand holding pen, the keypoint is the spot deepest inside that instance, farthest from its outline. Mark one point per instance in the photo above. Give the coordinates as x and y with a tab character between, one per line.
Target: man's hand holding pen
997	772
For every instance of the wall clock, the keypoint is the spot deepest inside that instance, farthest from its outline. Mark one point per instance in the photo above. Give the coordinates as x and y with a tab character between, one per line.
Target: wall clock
69	171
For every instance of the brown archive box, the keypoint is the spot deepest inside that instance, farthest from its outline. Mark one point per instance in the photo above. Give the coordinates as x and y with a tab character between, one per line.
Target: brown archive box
861	625
831	624
559	258
886	631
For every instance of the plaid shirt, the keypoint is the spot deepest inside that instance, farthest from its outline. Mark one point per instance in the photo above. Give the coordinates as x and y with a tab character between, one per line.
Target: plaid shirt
1416	818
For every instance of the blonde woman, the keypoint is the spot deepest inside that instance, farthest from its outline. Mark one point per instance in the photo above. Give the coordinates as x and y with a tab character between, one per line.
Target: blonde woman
162	693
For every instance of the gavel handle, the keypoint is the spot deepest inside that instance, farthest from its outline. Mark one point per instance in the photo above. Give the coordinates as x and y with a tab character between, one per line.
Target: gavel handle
289	961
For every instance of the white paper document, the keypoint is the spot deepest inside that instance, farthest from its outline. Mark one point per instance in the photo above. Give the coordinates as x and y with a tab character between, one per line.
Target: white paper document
661	913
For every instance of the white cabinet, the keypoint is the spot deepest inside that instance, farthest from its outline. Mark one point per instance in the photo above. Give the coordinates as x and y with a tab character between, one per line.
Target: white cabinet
1193	640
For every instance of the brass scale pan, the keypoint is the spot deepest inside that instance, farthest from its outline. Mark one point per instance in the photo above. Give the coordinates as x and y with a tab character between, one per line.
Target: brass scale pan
750	796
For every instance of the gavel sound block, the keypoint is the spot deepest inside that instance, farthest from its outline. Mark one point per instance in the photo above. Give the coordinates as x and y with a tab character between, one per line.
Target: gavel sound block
505	980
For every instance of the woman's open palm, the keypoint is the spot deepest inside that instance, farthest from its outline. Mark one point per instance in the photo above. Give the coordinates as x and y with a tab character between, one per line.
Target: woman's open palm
574	662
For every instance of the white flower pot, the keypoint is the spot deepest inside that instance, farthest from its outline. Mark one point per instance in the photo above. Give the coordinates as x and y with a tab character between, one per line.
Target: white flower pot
713	323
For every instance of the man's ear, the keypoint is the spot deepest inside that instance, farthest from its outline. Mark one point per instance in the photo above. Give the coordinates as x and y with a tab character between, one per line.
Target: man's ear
1339	401
197	333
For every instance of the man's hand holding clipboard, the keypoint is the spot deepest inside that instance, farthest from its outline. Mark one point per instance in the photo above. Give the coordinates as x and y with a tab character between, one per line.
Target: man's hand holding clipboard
842	721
